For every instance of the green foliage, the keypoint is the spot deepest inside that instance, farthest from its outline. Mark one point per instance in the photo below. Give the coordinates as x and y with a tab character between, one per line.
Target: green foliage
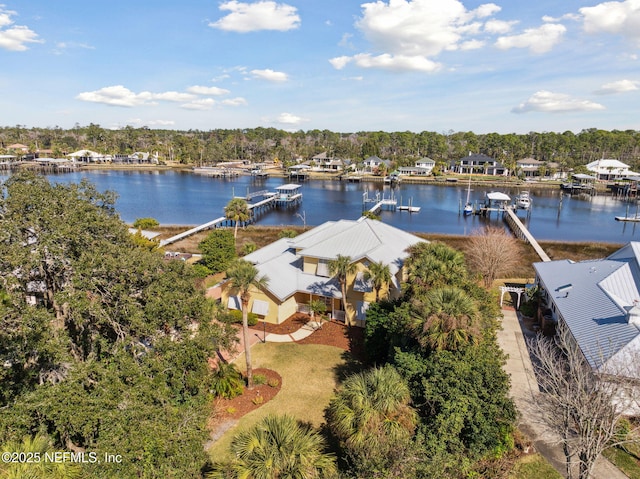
145	223
259	379
372	216
218	250
234	316
201	271
227	382
144	243
249	247
113	357
287	233
372	417
277	447
237	210
39	467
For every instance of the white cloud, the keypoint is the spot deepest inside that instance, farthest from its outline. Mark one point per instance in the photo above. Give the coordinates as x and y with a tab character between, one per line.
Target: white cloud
140	121
621	18
421	27
270	75
119	95
14	38
549	102
261	15
238	101
620	86
290	119
499	27
200	104
207	90
537	40
387	62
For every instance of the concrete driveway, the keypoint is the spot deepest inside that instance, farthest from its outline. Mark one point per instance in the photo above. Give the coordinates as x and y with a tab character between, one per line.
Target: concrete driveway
523	388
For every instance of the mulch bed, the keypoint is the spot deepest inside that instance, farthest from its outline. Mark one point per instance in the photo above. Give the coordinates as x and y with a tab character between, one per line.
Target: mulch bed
226	412
230	410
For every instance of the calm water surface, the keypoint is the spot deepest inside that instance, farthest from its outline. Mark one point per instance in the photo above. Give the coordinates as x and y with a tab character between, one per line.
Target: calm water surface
187	199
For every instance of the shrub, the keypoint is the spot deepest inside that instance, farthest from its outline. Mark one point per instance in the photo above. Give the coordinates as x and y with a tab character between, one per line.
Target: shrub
274	383
146	223
257	400
235	317
231	410
287	234
227	381
249	247
201	270
259	379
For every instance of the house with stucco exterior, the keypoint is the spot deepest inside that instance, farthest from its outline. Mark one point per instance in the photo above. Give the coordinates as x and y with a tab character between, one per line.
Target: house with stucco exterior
610	169
298	270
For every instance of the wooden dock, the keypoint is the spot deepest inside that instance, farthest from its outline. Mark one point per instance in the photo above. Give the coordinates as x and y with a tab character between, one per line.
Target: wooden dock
521	231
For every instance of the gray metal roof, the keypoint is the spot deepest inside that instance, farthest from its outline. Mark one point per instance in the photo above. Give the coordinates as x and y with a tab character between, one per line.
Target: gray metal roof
281	261
593	298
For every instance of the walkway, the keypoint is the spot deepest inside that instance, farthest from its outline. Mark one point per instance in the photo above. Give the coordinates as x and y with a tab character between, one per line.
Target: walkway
523	389
257	335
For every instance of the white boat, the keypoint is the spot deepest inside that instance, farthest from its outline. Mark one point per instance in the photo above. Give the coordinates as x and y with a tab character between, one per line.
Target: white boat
523	200
628	218
468	207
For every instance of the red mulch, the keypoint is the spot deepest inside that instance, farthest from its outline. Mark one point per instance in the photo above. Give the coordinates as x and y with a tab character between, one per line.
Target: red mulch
233	409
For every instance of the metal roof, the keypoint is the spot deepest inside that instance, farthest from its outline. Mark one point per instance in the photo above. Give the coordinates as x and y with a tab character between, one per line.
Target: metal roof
593	298
281	261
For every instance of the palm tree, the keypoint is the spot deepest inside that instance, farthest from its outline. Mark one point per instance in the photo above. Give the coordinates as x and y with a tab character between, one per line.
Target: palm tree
278	447
242	276
340	268
379	274
371	415
237	211
434	264
37	447
448	319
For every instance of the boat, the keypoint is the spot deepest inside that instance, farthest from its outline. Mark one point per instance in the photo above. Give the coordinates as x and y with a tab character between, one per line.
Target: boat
523	200
468	207
635	219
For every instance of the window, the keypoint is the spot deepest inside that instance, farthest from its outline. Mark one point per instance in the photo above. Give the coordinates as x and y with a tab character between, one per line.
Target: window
323	268
261	308
234	302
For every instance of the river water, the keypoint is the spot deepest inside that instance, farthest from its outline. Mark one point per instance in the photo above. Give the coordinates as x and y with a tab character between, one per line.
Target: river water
182	198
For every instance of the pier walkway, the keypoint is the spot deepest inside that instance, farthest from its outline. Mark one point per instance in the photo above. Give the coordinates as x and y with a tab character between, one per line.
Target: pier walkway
521	231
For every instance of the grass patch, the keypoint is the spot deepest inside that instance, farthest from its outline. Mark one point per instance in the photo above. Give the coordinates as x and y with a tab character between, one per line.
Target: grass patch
533	466
309	376
623	461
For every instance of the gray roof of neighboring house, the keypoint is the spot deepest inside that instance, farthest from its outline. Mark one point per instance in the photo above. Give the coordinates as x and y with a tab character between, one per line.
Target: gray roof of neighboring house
593	298
359	239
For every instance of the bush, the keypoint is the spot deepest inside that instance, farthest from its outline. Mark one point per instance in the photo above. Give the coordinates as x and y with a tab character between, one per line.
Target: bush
146	223
288	234
235	317
201	270
218	250
274	383
257	400
227	381
259	379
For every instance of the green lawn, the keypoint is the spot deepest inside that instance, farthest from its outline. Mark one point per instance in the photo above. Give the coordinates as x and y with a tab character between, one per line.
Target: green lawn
310	375
623	461
533	467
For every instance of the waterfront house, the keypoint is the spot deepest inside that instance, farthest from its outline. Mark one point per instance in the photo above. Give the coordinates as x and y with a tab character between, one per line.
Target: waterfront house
532	168
18	148
88	156
479	163
325	163
298	270
423	167
373	164
610	169
598	301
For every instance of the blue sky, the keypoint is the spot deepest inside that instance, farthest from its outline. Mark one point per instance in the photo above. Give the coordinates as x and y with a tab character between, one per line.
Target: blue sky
392	65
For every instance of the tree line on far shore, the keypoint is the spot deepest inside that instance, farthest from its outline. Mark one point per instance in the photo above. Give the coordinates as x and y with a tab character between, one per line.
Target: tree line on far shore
199	147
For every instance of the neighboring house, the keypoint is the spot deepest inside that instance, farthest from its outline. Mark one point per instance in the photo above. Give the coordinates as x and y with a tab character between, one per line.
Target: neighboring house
609	169
326	163
423	167
373	163
88	156
18	148
479	163
139	157
298	270
532	168
599	303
